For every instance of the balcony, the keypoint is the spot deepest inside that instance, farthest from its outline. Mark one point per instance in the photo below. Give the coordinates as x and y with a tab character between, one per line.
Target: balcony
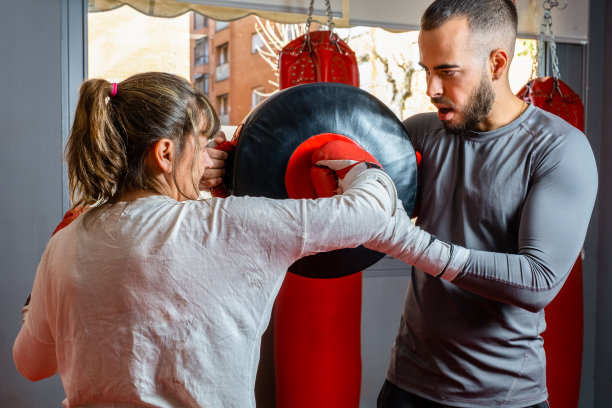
201	60
222	72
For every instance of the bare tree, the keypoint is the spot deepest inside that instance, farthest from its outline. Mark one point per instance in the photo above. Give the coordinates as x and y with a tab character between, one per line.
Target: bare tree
393	72
274	37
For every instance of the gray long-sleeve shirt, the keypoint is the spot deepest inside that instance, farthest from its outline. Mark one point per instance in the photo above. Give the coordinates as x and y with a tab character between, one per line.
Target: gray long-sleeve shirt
520	197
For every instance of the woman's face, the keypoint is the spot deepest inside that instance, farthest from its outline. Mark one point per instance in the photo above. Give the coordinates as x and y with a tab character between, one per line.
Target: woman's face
191	166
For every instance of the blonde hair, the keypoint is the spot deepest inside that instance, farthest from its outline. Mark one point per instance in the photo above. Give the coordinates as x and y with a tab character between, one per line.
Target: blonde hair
113	132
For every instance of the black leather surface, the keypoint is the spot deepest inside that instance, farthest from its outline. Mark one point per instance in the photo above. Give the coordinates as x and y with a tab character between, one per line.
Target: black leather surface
274	129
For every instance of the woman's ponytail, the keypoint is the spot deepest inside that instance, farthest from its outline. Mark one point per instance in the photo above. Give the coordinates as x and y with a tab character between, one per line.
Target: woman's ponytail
95	150
116	125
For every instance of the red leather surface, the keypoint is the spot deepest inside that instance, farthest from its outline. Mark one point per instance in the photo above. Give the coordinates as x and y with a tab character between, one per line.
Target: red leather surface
317	322
323	61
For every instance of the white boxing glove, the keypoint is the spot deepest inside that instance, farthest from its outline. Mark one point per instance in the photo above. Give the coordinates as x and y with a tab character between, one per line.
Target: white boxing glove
407	242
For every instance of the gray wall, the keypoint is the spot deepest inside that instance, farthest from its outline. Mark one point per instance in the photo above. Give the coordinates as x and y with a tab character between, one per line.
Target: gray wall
34	55
599	131
41	65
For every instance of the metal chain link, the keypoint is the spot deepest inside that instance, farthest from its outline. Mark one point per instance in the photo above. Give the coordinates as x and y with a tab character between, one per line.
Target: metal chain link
330	21
550	4
330	24
309	22
547	24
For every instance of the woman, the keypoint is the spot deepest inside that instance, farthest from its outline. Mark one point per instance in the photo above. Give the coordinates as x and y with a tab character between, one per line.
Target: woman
154	297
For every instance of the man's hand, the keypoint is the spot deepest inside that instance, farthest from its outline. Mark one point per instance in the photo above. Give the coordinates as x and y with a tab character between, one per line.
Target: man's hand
213	176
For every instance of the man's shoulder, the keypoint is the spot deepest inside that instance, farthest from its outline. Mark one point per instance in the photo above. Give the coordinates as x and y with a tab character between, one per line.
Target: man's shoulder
551	132
557	141
425	120
547	123
420	125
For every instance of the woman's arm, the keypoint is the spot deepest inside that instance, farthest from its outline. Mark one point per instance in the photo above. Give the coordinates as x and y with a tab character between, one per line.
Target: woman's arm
34	347
34	359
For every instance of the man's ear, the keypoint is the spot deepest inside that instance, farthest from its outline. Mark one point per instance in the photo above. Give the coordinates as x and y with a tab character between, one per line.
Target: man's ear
498	63
161	155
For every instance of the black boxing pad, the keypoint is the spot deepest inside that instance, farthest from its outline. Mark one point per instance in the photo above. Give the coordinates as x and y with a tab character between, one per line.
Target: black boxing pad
273	131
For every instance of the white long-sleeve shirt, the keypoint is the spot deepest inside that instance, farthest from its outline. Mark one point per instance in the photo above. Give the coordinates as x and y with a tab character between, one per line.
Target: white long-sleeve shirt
163	303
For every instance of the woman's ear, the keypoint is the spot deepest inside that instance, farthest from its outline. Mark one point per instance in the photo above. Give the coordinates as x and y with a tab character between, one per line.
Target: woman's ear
161	155
498	63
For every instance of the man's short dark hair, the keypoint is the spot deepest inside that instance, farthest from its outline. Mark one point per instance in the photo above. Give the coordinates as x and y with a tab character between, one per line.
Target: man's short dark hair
488	17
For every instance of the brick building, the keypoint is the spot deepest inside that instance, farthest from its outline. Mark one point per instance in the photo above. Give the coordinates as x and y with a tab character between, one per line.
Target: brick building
226	66
220	58
123	42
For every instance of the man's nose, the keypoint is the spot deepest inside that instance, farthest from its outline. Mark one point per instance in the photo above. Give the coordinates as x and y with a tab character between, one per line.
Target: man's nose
434	86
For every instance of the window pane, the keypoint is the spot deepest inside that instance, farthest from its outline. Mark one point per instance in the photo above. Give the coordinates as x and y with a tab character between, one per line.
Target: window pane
123	42
201	51
220	25
199	21
202	83
223	109
257	95
256	43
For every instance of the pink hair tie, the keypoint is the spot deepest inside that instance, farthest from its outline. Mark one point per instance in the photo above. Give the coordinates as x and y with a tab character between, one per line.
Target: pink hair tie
114	91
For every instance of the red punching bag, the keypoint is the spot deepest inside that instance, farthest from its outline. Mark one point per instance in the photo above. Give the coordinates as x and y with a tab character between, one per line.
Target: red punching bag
563	337
317	314
322	317
318	56
319	317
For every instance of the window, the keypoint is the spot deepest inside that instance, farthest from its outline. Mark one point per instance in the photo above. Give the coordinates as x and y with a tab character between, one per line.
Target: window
257	95
222	54
390	73
223	67
220	25
201	51
256	43
199	21
223	108
202	83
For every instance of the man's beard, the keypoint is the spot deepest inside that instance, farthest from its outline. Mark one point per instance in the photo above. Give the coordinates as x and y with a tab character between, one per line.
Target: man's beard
476	110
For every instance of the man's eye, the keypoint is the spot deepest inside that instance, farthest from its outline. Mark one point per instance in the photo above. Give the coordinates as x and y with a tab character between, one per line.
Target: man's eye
449	73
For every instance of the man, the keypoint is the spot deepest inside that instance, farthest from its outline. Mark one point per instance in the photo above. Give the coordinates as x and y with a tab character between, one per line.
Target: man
507	184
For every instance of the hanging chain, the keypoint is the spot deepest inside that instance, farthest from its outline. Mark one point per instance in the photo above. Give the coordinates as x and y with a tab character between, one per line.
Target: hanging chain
550	4
547	25
330	24
309	22
330	20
